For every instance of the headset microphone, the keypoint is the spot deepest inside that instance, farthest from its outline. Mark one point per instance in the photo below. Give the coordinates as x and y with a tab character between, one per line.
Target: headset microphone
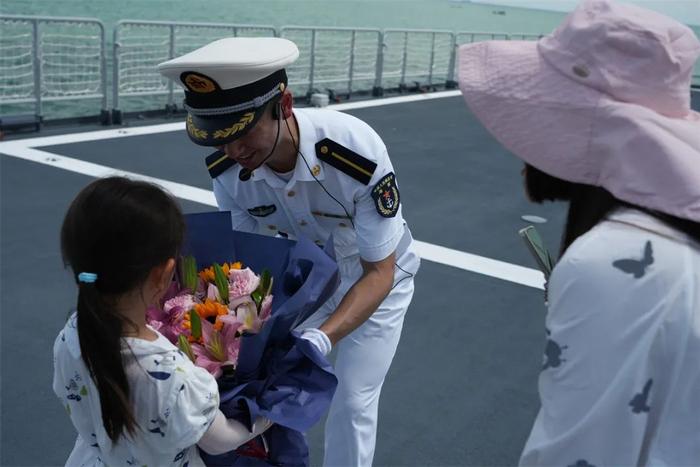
245	174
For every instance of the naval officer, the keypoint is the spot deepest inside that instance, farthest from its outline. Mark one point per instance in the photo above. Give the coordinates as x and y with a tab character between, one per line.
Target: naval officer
313	173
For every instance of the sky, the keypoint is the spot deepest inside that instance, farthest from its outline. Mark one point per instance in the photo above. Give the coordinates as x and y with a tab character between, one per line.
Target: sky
687	11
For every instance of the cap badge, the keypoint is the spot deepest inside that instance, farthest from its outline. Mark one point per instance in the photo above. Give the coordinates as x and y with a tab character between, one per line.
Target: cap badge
199	83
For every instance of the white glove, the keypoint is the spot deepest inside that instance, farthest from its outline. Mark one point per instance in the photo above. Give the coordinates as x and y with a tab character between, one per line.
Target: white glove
319	339
226	434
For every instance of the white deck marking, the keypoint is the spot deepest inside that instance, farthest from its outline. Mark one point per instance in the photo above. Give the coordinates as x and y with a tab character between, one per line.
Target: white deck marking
26	149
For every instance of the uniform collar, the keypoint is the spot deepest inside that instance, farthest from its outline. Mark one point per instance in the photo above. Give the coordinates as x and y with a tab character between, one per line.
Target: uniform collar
307	146
308	137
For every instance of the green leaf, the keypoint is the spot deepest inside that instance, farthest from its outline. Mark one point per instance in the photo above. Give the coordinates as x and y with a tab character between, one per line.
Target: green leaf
221	282
257	298
196	323
266	282
184	345
83	391
264	288
188	272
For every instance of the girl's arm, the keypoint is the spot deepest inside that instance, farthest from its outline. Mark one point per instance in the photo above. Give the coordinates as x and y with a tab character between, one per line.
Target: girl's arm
226	434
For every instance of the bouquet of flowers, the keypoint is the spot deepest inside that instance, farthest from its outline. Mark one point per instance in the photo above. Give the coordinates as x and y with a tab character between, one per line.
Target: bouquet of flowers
226	320
206	313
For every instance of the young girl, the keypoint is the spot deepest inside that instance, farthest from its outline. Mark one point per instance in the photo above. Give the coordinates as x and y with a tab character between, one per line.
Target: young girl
133	397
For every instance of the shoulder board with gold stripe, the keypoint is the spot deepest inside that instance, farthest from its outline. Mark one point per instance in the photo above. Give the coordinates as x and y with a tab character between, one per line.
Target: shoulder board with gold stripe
345	160
218	163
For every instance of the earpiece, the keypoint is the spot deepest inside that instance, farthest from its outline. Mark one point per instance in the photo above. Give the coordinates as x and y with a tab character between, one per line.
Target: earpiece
277	111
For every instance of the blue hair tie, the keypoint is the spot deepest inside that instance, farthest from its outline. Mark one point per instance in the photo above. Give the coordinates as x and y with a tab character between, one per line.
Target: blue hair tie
87	277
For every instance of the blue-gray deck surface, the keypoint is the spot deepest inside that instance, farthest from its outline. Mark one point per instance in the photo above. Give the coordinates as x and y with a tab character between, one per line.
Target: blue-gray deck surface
463	387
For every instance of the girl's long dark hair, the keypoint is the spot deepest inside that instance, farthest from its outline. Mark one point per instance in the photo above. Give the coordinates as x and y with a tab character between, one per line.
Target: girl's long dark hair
588	205
119	229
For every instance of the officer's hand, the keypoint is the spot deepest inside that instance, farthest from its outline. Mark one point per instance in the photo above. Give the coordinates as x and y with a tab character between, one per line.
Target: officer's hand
319	339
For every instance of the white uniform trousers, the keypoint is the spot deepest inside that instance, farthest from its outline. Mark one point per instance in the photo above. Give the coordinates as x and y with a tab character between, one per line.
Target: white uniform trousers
362	362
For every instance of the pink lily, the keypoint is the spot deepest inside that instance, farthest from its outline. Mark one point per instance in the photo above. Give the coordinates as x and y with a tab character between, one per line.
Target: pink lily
266	308
168	320
219	348
213	293
247	314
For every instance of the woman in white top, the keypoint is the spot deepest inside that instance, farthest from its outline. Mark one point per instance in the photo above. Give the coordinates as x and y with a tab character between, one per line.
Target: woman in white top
132	396
600	112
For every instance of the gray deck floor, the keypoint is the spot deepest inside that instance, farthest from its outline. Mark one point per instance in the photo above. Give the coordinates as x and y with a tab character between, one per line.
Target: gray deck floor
462	389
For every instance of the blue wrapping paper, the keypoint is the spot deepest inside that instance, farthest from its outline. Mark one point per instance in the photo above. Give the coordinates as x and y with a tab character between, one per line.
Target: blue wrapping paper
279	375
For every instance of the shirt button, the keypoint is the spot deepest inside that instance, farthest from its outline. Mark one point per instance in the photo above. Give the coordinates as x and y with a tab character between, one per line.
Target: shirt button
343	224
291	193
316	170
302	222
272	227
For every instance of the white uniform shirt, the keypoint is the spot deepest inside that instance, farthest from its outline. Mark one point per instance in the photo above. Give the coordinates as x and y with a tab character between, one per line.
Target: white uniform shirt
620	384
301	207
173	402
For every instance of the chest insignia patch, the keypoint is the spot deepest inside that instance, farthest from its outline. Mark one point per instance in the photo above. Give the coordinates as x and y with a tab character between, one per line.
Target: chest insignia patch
386	196
262	211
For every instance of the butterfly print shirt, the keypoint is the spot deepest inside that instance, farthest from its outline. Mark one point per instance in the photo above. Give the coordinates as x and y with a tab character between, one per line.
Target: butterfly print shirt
173	402
620	381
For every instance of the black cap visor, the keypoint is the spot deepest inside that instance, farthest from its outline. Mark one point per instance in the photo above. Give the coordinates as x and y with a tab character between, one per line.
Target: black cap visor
221	129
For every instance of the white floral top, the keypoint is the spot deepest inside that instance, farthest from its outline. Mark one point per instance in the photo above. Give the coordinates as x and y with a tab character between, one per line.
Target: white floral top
620	381
173	402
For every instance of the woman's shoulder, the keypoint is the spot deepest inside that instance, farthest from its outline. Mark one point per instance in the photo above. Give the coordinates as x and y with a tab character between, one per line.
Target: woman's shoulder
630	243
630	260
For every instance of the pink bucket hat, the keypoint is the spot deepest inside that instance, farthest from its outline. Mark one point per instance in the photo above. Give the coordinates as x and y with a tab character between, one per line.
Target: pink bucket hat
604	100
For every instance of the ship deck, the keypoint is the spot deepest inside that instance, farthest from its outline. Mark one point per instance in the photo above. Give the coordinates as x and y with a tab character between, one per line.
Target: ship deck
463	386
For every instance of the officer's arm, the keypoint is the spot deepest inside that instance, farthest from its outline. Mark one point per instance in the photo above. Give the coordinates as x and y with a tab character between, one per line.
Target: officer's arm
363	299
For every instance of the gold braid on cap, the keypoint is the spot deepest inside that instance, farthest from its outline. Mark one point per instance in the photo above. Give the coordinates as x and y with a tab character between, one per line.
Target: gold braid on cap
194	131
238	126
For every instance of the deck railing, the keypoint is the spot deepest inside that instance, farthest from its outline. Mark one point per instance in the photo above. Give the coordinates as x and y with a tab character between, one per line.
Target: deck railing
63	59
49	59
139	46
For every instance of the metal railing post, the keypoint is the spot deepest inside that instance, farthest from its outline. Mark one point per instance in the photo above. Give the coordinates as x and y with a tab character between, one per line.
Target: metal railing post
312	62
432	61
170	106
404	60
36	65
352	61
451	83
379	69
116	113
105	117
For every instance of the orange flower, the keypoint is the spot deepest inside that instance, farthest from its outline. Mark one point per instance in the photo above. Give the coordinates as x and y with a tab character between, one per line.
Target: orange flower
207	274
210	308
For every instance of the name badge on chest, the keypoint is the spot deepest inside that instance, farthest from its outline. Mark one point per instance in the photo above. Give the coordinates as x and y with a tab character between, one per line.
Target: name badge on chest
262	211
